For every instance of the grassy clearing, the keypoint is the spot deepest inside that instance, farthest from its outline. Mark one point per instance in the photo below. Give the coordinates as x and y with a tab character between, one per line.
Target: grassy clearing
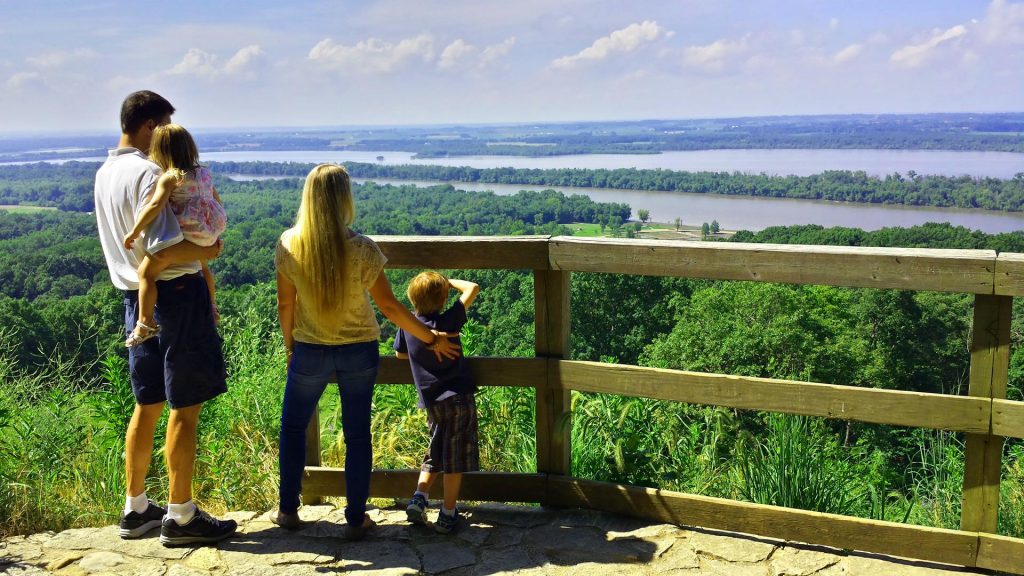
24	209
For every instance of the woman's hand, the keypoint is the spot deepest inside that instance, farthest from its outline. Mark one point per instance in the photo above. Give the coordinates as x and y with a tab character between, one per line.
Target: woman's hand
442	346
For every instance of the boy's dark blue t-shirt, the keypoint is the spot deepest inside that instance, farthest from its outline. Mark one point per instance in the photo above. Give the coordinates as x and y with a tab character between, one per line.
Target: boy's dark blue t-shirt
434	378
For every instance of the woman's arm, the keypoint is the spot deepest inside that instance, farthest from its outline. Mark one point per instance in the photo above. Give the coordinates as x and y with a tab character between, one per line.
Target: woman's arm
400	315
164	187
286	311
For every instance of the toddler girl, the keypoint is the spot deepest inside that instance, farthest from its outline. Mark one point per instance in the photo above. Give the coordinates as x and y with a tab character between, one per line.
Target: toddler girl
188	187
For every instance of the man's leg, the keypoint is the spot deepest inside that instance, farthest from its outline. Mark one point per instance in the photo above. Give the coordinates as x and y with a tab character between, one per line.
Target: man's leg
181	452
139	445
140	515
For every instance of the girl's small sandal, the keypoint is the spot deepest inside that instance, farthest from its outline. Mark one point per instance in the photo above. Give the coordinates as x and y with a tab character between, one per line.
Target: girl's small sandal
140	334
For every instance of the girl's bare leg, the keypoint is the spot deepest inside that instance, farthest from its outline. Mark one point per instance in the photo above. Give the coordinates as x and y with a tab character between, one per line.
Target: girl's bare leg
149	271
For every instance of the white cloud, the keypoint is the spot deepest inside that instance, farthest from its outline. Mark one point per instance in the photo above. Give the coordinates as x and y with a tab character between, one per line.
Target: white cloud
56	58
462	54
625	40
847	54
196	62
23	80
1004	23
833	24
496	52
242	59
914	55
373	55
454	53
716	57
201	63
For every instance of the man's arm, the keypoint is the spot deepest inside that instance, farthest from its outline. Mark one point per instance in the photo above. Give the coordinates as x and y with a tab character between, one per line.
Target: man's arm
469	291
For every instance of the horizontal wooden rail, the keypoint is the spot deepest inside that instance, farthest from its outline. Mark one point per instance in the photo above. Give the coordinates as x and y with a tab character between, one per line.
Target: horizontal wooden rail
987	551
934	544
970	271
482	486
514	372
1001	553
1008	418
893	407
465	252
1010	274
914	409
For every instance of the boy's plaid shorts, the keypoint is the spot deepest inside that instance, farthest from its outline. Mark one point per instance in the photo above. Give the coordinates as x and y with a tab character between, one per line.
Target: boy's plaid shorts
454	446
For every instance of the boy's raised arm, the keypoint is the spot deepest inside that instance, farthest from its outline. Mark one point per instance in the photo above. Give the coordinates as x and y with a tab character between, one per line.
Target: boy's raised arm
469	291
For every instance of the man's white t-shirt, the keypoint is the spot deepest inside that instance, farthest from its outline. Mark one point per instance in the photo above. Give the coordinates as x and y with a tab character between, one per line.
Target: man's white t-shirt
123	185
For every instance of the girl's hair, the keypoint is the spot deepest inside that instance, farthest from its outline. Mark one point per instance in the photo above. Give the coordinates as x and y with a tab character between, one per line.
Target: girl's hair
174	150
320	244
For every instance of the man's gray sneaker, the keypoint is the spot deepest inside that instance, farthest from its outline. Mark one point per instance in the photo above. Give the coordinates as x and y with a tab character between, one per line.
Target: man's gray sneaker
416	512
134	524
202	529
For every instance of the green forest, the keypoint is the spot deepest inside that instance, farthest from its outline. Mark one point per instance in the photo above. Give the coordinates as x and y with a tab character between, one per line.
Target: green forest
65	399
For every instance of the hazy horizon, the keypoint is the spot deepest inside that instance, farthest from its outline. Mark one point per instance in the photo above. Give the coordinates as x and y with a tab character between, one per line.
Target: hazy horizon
404	63
92	132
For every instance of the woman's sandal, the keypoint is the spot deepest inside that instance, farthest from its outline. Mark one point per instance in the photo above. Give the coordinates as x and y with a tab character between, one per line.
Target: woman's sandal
140	334
354	533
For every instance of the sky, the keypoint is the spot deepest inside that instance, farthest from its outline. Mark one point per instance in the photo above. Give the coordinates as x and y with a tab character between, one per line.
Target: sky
66	66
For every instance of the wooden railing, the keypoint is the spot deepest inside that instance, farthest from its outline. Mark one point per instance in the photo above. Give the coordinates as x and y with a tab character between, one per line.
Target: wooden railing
985	416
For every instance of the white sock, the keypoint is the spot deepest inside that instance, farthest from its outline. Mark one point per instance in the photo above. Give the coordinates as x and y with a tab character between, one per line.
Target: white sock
448	512
181	513
424	494
136	503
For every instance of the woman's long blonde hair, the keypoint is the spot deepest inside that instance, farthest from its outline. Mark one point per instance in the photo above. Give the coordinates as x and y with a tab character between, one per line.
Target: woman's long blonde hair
320	242
174	150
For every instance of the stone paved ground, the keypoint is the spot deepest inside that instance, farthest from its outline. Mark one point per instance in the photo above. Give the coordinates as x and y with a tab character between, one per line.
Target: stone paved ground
494	539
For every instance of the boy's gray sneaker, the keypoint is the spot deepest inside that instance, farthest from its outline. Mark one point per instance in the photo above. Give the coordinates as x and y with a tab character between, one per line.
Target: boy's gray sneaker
446	524
416	512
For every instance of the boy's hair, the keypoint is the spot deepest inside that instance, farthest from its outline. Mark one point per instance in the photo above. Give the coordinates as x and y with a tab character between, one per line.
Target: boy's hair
428	292
173	149
142	106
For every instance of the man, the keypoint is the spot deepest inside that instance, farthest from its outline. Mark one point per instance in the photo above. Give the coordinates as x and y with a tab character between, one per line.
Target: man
184	365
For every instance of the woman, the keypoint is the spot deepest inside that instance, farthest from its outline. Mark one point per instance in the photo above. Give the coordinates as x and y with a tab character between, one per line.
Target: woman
324	272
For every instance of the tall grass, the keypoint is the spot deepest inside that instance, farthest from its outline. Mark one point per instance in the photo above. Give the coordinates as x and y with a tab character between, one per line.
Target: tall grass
62	464
798	464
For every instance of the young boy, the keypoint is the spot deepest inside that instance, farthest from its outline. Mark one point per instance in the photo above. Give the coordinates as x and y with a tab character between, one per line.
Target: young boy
445	390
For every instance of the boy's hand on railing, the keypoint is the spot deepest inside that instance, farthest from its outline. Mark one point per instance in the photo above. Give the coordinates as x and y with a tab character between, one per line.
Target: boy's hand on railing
443	347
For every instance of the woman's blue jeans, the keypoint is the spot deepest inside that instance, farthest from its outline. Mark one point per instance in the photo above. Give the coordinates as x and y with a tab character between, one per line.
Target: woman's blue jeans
354	368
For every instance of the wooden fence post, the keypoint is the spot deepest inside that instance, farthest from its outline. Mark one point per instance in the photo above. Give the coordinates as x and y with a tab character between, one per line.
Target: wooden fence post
990	362
551	302
313	450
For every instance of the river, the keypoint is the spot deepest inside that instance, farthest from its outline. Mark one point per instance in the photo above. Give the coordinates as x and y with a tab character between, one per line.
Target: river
732	212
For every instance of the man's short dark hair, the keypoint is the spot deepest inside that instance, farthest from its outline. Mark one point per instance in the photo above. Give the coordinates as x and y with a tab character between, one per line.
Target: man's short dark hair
141	106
